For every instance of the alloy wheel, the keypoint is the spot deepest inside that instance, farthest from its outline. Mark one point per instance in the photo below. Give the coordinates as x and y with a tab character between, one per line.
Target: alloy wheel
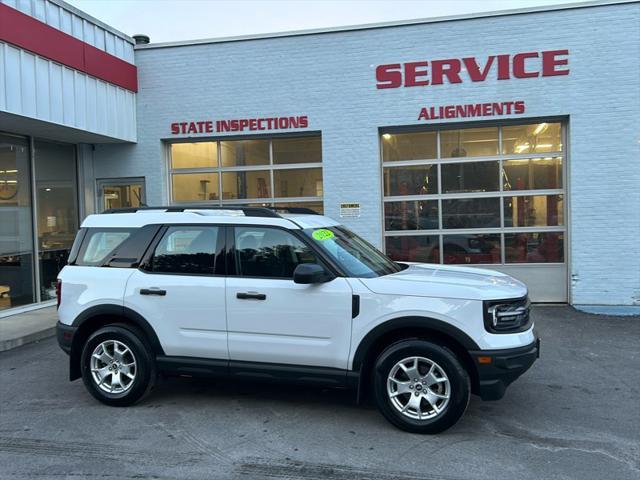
113	366
418	388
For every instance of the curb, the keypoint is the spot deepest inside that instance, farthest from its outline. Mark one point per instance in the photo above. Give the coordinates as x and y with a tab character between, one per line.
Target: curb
12	343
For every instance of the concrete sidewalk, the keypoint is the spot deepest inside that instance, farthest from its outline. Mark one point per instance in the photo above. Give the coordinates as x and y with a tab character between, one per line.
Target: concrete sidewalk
27	327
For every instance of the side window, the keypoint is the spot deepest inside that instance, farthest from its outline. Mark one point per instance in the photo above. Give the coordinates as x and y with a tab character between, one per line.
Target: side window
269	252
99	243
187	250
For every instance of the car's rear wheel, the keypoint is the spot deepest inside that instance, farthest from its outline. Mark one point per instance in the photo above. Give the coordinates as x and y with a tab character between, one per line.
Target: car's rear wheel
420	387
117	366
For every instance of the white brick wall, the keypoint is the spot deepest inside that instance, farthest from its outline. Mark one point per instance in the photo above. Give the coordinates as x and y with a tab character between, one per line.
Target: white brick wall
330	77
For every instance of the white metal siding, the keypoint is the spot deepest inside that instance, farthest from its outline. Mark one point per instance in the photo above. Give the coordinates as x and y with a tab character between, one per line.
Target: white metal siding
39	88
82	28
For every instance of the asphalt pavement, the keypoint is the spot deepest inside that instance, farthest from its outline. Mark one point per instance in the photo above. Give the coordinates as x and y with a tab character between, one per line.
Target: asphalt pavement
574	415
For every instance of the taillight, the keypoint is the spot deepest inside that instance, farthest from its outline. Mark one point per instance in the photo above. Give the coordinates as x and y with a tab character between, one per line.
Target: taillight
58	291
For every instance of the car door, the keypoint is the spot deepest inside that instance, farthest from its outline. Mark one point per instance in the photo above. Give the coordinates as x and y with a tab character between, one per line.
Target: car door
180	291
274	320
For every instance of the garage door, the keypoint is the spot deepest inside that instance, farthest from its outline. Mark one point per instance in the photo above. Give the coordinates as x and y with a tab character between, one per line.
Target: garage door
491	196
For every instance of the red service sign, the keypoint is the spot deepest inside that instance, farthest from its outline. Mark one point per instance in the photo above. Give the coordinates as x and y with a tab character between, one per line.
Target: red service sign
548	63
240	125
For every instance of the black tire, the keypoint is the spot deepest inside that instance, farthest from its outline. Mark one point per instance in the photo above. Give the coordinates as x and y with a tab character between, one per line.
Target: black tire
145	371
459	388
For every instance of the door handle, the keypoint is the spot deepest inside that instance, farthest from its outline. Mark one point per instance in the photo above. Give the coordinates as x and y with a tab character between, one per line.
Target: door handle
153	291
251	296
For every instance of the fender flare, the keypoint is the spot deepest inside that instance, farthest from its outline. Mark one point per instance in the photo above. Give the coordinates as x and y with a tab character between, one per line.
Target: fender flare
426	323
117	312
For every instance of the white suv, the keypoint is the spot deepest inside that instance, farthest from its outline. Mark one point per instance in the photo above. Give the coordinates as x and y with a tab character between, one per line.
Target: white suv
248	292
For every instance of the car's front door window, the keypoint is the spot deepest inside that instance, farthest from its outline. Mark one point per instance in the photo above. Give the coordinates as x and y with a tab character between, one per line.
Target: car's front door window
269	252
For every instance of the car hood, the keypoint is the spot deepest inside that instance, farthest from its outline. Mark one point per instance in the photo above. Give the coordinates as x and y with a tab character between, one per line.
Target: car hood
430	280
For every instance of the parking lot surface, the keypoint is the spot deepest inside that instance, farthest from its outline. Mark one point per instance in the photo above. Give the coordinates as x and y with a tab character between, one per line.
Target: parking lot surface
574	415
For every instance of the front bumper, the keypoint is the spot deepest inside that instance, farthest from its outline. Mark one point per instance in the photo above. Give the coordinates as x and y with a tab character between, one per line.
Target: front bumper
64	334
497	369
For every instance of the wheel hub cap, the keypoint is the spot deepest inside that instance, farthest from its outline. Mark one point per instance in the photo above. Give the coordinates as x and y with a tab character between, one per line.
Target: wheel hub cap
113	366
418	388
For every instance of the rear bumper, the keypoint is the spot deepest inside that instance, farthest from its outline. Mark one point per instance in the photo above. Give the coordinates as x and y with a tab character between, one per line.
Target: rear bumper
64	334
504	367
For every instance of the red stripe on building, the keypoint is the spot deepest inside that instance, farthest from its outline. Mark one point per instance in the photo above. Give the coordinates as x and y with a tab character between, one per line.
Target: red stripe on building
31	34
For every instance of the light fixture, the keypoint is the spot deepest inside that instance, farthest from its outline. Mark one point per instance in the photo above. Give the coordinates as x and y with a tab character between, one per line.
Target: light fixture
47	189
521	148
541	128
386	136
11	171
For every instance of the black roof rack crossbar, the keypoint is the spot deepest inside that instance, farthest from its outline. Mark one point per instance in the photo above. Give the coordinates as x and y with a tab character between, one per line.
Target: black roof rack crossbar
248	211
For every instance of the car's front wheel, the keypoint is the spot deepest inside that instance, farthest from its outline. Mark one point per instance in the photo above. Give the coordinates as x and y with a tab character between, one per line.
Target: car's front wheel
117	367
420	387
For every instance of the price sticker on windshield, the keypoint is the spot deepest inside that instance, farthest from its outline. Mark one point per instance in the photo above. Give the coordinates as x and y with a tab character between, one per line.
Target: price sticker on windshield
322	234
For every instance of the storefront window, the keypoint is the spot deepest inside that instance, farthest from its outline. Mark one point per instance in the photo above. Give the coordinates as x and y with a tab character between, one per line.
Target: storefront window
409	146
476	208
414	180
194	155
57	210
469	142
297	150
120	193
16	234
251	170
253	184
302	182
196	187
241	153
534	138
470	177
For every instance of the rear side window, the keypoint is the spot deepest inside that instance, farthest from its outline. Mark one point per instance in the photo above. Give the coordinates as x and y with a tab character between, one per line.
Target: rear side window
186	250
98	244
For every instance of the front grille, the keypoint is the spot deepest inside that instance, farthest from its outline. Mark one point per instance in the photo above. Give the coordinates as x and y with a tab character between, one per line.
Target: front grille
507	316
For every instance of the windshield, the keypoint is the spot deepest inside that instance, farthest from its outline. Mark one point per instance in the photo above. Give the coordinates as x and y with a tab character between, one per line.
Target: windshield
354	255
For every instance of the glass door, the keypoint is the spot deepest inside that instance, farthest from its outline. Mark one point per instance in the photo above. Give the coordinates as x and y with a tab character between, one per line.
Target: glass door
56	210
120	193
16	232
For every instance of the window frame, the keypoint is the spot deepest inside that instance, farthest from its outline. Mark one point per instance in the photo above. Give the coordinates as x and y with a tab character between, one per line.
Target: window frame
220	257
88	236
502	193
231	270
270	167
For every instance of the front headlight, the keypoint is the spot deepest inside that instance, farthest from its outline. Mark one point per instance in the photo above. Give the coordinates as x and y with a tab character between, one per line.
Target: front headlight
507	316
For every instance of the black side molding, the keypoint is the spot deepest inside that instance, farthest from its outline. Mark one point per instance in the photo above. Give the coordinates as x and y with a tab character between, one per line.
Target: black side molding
269	372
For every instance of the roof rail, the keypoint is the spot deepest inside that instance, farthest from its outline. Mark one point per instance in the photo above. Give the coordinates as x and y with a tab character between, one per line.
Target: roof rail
301	210
248	211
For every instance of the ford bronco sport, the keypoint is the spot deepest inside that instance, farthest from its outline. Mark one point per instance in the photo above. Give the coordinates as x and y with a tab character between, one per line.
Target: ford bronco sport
254	292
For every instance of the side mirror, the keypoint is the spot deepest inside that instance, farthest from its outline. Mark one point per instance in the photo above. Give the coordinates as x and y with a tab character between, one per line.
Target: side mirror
308	273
